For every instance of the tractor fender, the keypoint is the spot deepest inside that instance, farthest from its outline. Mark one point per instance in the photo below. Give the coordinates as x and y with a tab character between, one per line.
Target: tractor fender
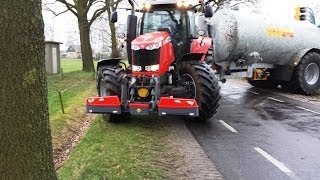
108	62
297	58
192	57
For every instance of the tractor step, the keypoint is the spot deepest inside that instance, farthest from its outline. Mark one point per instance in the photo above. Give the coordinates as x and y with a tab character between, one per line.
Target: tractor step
177	106
104	105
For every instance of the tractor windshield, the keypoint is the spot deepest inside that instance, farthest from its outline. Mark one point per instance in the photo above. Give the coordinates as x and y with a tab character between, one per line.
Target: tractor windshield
169	19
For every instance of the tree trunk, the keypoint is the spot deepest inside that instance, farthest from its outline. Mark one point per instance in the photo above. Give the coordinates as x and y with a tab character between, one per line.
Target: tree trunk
25	139
114	45
87	60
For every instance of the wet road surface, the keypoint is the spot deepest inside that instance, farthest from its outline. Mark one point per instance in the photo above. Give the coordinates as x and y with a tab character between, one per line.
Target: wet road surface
260	135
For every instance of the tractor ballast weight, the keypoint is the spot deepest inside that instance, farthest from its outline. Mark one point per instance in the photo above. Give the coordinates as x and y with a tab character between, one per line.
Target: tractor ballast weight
276	48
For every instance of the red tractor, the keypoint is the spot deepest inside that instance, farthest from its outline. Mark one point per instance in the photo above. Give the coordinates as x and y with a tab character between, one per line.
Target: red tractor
167	73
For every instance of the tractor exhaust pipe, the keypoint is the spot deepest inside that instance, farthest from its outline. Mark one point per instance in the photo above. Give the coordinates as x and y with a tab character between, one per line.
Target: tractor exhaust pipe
131	30
132	7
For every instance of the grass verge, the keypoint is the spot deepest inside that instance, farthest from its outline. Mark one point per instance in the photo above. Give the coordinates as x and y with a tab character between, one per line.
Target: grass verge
133	150
136	149
78	86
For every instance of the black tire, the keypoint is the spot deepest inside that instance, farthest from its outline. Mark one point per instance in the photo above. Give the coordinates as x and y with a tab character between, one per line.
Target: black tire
207	87
109	84
209	56
266	84
299	82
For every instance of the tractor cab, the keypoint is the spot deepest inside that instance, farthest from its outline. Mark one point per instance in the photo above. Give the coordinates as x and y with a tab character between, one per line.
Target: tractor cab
171	19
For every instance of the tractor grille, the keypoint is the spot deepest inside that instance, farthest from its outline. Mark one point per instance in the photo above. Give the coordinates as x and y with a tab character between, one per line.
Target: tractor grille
145	57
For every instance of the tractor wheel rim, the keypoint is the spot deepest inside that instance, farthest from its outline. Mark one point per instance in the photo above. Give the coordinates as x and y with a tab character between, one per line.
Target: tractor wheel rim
188	80
103	88
312	73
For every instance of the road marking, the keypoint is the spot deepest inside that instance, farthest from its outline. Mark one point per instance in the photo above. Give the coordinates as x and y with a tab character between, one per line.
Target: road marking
228	126
278	100
275	162
308	110
254	93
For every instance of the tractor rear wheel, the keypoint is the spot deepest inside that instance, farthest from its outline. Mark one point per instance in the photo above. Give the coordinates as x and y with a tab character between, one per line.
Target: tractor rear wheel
306	76
109	84
206	86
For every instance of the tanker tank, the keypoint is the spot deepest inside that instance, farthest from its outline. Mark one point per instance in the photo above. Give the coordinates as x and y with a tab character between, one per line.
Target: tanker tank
243	35
268	52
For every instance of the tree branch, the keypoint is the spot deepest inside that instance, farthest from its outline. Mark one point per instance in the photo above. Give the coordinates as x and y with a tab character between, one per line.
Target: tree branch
54	13
96	14
69	6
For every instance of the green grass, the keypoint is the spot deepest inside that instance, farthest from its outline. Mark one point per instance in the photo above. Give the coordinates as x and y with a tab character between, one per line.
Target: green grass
79	85
131	150
71	65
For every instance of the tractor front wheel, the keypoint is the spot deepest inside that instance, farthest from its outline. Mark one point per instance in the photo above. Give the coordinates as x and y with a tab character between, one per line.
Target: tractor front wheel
109	84
202	85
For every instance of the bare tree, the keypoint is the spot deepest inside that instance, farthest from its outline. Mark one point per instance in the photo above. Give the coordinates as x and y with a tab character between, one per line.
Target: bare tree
112	6
72	38
101	34
81	9
48	31
25	140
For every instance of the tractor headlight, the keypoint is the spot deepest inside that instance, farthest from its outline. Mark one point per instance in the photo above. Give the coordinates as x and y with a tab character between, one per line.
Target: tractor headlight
147	6
154	46
136	68
153	67
183	3
134	47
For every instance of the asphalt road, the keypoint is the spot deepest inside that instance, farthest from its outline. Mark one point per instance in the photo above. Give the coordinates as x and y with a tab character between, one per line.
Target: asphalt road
260	135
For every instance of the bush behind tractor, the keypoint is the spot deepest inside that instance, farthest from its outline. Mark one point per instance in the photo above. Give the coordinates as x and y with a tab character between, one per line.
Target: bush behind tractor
167	74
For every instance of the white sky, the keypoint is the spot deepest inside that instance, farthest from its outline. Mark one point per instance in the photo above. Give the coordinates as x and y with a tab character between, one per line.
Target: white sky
67	23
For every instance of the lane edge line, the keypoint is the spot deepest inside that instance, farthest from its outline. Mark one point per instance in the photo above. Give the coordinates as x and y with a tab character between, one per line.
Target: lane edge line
230	128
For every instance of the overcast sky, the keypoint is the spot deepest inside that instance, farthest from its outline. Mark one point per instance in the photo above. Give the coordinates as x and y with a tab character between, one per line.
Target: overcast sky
66	24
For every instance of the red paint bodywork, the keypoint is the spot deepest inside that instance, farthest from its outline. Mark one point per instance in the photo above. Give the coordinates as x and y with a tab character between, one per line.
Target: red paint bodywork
139	105
107	101
177	103
166	51
197	47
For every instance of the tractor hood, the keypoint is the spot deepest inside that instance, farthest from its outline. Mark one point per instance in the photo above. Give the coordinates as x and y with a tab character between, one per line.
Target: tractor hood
151	41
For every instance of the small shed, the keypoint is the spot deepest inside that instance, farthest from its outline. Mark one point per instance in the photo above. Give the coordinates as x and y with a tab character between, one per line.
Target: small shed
74	52
52	57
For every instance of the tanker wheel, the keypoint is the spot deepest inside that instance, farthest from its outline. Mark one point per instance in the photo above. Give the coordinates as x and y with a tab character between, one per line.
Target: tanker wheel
109	84
306	76
202	85
264	83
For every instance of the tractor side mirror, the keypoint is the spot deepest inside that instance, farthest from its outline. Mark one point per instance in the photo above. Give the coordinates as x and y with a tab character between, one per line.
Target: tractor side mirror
114	17
208	11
